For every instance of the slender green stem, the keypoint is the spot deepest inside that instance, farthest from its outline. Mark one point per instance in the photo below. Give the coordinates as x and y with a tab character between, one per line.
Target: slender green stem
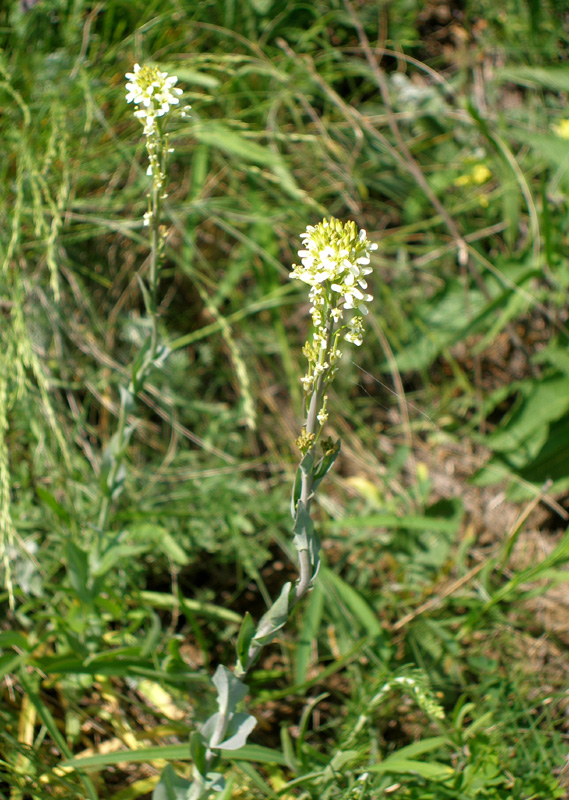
106	504
154	268
151	304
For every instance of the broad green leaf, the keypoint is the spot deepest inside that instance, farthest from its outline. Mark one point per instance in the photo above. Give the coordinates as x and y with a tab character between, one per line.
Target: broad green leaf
441	323
546	401
557	356
443	320
514	305
551	462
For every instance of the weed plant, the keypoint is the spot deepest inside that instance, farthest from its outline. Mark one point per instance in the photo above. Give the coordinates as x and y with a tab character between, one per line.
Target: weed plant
145	499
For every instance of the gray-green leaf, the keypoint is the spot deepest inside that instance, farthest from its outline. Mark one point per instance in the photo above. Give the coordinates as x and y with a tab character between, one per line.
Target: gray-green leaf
275	617
230	690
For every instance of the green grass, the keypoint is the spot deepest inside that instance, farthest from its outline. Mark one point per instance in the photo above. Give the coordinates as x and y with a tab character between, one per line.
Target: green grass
426	573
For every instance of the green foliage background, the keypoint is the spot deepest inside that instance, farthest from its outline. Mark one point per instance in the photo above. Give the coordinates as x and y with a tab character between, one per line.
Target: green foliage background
457	404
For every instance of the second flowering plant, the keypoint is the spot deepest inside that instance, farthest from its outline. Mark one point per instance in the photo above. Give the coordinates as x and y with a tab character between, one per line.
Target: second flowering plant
335	260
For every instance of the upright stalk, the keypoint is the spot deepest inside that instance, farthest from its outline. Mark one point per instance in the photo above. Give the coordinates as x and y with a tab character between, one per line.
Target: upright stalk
153	92
334	263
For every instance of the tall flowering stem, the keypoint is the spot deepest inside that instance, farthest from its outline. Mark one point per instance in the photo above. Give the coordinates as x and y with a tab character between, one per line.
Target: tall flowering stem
154	95
335	259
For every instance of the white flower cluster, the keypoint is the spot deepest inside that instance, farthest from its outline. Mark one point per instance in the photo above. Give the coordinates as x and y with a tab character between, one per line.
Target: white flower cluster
336	256
334	262
153	92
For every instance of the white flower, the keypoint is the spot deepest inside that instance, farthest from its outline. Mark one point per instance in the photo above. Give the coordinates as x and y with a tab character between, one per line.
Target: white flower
335	260
336	254
153	92
355	331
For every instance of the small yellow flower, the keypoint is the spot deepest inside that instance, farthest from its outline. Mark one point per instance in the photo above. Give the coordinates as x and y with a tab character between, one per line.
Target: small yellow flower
561	129
478	175
463	180
481	174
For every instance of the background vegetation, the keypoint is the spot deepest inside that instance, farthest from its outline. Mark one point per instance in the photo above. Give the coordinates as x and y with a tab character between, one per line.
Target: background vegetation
442	128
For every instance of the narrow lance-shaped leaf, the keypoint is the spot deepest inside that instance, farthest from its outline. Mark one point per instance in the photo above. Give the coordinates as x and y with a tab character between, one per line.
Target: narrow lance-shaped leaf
275	617
246	633
325	464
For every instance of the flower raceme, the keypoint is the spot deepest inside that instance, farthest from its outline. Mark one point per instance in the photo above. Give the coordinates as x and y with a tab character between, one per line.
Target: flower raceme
153	92
337	254
335	260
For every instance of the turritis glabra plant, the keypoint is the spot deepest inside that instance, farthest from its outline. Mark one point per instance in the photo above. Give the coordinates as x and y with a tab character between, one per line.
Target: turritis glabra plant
155	98
335	260
334	263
